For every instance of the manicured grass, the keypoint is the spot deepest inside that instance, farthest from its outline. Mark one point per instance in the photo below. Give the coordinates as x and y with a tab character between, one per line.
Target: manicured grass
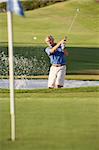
59	119
55	20
67	77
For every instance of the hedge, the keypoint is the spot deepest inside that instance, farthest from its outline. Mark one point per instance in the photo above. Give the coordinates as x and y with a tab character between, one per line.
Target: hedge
32	4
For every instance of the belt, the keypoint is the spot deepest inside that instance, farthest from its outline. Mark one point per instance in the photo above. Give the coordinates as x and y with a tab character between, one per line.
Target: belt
58	65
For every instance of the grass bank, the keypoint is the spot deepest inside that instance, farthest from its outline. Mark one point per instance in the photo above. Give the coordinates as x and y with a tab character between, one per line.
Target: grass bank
32	60
56	20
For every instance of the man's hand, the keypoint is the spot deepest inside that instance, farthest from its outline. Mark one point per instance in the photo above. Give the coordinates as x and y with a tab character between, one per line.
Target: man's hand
65	38
63	41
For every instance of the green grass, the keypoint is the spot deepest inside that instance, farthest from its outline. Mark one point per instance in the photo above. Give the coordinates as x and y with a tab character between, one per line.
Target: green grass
62	119
81	60
83	43
56	19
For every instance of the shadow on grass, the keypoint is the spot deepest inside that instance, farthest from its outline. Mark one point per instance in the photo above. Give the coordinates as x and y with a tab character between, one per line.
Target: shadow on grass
81	60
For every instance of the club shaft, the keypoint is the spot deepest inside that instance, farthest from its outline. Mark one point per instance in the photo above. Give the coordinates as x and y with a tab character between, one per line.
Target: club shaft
74	18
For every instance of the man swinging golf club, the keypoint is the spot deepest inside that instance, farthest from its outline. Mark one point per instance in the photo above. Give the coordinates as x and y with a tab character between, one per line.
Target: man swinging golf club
57	53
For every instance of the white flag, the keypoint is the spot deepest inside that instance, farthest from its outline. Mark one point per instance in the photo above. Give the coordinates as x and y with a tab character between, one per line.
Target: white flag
1	1
15	6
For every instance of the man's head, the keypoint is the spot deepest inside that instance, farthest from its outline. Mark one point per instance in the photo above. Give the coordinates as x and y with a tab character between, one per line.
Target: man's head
50	40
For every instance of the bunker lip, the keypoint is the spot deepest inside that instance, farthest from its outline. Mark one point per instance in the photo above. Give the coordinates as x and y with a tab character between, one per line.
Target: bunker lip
42	83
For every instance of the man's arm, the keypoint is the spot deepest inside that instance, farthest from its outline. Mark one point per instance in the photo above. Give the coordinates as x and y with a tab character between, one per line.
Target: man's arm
54	49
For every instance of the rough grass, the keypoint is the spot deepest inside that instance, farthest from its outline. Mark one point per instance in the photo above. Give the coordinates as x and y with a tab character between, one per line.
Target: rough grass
55	20
81	60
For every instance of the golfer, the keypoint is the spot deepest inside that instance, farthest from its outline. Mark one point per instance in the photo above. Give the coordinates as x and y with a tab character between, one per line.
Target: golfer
57	53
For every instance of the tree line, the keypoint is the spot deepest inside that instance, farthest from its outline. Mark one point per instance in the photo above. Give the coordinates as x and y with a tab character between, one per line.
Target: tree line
31	4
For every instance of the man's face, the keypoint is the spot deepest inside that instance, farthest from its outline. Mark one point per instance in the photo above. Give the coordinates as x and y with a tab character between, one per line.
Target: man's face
51	42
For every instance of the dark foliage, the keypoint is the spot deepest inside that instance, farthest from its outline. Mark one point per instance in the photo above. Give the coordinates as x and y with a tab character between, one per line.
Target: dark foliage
32	4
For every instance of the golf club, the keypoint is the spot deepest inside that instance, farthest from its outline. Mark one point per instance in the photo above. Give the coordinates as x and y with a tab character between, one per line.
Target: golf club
74	18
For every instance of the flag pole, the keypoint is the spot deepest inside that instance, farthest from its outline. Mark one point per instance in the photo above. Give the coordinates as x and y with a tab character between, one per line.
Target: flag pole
11	74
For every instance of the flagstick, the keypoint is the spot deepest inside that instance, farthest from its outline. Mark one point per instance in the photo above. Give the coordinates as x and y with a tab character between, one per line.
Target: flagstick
11	74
